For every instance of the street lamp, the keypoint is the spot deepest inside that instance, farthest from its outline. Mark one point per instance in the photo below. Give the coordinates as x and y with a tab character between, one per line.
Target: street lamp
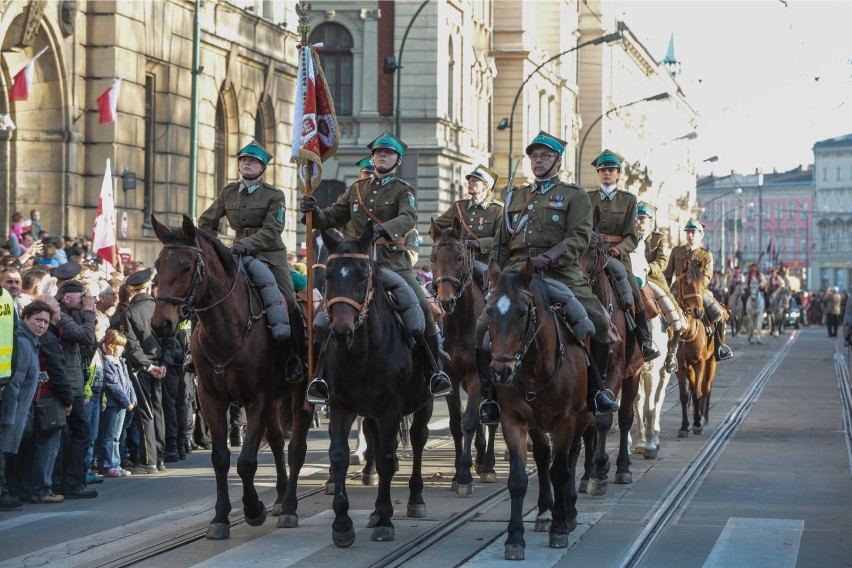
608	38
397	65
737	191
657	97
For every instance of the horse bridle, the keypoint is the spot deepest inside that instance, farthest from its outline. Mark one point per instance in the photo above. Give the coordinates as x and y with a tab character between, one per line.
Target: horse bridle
361	307
465	274
594	275
699	310
186	304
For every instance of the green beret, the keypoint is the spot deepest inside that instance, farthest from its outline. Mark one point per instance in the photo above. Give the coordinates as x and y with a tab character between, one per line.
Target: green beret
548	140
389	141
645	209
256	151
694	224
607	159
366	164
300	281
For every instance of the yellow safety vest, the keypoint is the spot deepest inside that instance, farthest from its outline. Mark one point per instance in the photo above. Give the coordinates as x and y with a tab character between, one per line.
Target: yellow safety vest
7	333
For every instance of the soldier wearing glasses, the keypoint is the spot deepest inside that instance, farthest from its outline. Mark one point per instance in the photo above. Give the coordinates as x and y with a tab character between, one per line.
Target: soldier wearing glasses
549	222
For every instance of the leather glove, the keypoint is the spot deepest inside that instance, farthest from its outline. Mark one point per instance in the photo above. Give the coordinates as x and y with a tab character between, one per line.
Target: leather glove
614	252
540	263
473	244
239	249
379	231
308	204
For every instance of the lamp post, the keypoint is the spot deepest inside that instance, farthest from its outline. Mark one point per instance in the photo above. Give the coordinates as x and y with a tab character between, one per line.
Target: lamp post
608	38
759	219
658	97
398	65
736	191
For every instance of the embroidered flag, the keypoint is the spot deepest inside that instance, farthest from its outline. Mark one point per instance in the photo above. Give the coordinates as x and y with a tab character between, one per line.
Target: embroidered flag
315	131
23	80
103	234
108	103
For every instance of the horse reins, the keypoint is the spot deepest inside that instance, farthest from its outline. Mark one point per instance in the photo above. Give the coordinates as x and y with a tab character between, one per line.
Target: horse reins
360	307
465	275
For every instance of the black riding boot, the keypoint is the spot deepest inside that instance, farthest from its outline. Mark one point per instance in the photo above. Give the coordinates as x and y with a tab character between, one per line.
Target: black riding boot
294	367
671	356
643	337
723	352
439	382
489	410
599	400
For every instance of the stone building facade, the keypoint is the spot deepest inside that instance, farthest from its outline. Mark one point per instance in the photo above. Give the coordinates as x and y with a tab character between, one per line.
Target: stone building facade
832	213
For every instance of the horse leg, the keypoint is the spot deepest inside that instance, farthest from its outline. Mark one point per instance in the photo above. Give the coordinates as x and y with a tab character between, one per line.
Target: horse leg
275	437
598	480
462	479
385	450
419	434
642	408
542	456
358	455
257	413
215	412
488	474
369	477
296	450
698	398
626	416
342	531
516	440
590	435
683	383
658	397
560	477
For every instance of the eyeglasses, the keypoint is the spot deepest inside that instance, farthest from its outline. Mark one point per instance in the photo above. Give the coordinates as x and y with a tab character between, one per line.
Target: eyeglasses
541	156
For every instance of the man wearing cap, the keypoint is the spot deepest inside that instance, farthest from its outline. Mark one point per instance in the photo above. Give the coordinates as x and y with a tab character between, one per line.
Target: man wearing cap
256	211
144	354
549	222
694	252
390	203
66	271
479	215
656	254
617	225
366	168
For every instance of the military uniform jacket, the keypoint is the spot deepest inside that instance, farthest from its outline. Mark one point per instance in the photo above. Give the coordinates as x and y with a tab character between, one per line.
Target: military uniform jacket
143	349
482	220
262	210
681	253
391	201
618	219
656	256
557	213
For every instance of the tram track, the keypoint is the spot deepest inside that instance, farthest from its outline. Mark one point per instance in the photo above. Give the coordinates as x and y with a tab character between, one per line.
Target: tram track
841	368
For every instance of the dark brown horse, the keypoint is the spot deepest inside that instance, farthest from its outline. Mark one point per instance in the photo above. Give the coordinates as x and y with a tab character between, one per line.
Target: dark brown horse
237	360
696	363
463	301
625	364
540	373
372	371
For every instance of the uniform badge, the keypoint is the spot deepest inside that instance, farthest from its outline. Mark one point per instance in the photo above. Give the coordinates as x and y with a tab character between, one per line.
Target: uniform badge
411	199
281	211
555	218
386	180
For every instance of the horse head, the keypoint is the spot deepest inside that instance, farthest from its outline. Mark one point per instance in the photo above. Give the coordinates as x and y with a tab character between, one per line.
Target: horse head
513	313
690	287
350	280
452	264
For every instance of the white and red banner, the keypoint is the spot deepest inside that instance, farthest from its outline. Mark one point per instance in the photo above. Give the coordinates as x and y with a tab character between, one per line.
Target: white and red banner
103	234
23	81
108	103
315	131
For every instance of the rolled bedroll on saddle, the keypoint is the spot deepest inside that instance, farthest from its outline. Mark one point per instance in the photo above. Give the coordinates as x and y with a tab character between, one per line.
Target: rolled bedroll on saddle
668	310
618	278
575	313
270	295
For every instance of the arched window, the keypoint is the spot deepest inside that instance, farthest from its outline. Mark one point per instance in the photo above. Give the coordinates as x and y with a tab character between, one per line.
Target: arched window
219	146
258	126
336	61
451	76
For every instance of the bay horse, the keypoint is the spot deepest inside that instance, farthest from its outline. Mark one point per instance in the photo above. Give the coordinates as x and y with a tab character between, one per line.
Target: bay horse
372	371
236	360
463	301
625	364
695	358
539	371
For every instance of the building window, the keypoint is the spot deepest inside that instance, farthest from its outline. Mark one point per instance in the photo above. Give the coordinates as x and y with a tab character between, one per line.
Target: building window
839	174
804	210
825	174
150	155
219	146
451	79
779	210
336	61
791	241
258	127
791	210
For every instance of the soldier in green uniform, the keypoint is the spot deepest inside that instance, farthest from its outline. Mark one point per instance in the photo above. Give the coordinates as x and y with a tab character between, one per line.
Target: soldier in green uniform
656	254
390	203
479	215
617	225
693	251
256	212
550	222
367	168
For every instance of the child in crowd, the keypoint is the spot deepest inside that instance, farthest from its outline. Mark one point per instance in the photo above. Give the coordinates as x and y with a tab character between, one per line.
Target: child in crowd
120	398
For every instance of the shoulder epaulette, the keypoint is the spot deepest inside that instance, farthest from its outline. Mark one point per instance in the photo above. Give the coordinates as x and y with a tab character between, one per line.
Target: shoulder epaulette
497	202
404	182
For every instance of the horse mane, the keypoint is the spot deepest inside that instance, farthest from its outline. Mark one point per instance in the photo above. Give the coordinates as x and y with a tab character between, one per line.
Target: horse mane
511	284
693	273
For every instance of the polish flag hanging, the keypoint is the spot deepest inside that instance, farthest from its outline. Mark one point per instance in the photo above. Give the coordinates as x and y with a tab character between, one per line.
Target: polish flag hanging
103	234
23	81
108	103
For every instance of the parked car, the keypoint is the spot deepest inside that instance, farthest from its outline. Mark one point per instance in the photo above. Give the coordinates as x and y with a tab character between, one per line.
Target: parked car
793	314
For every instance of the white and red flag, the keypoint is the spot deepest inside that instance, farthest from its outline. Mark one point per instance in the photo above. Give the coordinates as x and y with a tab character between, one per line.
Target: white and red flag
103	234
23	81
315	131
108	103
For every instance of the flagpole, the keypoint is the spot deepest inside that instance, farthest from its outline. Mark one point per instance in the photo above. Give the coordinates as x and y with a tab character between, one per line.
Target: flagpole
303	9
92	106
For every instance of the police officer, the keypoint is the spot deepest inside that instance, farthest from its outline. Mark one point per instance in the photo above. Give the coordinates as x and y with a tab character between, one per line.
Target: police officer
693	251
256	211
617	223
479	215
656	254
66	271
390	203
550	222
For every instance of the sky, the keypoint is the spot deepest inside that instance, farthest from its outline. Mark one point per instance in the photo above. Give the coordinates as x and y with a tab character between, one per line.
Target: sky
768	78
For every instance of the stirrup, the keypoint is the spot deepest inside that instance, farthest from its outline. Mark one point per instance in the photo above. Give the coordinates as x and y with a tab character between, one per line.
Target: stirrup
649	351
317	391
489	412
724	353
671	362
294	370
440	384
604	404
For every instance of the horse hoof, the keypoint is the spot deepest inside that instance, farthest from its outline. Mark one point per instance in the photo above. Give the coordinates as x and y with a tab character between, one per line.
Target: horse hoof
698	430
416	511
382	534
355	459
372	521
454	485
584	486
369	479
558	540
288	522
276	509
258	520
650	454
597	487
343	539
639	450
218	531
329	488
513	552
543	525
682	433
625	478
488	477
464	489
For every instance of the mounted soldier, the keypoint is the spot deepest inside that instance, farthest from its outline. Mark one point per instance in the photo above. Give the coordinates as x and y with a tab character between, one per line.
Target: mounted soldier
550	223
694	252
389	203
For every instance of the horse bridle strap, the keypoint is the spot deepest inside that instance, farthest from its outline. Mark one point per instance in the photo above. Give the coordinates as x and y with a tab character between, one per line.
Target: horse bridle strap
466	273
360	307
